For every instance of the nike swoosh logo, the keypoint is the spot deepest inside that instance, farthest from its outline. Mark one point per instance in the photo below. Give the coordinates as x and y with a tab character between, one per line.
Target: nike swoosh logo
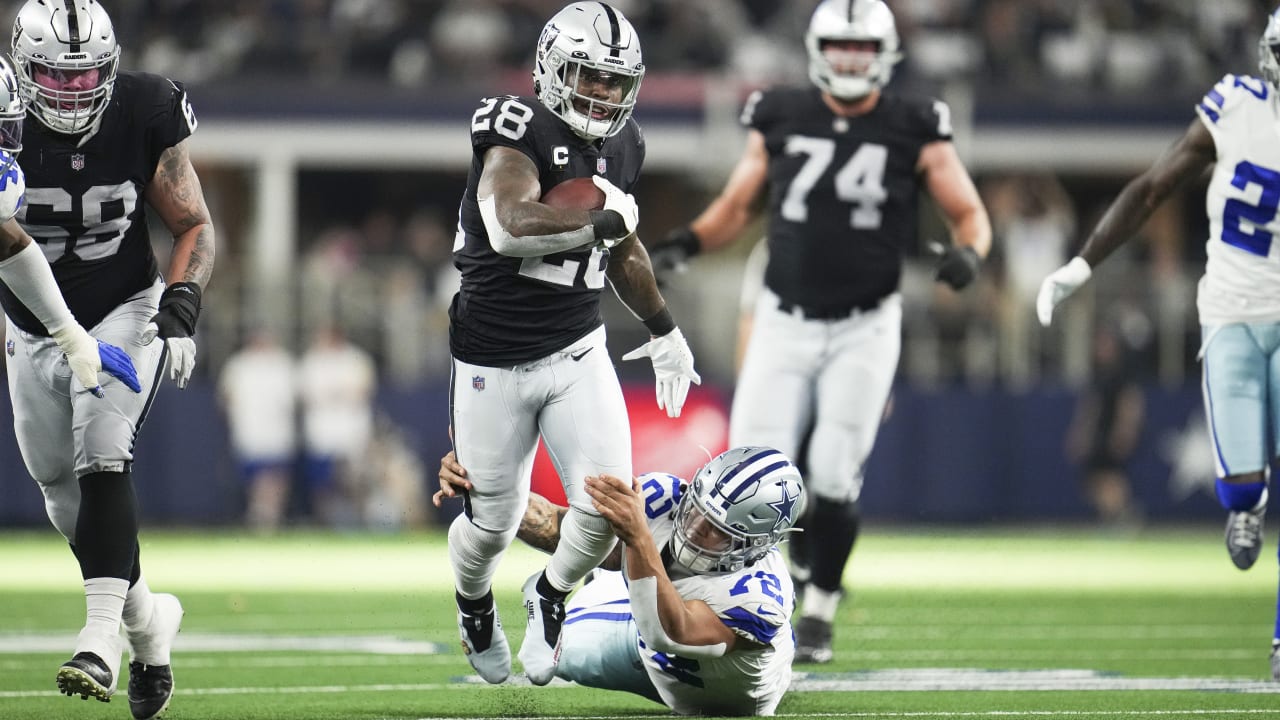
580	355
762	611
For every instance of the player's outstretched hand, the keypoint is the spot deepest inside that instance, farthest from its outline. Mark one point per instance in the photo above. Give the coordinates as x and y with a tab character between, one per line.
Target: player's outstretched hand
453	478
673	368
619	501
175	323
1059	285
958	265
617	201
672	253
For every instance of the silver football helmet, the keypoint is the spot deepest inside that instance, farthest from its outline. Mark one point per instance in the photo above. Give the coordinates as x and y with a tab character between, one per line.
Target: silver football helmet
64	42
738	507
866	20
591	46
1268	46
12	113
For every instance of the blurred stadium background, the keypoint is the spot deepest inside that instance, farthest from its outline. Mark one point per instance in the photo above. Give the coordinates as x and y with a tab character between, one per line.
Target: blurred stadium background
333	149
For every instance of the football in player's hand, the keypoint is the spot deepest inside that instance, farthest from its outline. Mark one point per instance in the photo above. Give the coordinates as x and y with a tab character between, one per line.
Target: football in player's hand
575	194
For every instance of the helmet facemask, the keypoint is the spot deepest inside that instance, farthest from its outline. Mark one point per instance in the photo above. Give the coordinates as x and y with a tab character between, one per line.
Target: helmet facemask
12	113
66	63
588	69
739	506
1269	51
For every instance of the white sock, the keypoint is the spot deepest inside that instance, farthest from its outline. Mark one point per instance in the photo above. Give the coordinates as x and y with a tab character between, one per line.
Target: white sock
139	604
819	603
585	541
474	554
104	602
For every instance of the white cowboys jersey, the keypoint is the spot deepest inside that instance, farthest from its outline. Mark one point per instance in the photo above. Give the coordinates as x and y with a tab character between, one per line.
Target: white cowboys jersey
1243	269
755	602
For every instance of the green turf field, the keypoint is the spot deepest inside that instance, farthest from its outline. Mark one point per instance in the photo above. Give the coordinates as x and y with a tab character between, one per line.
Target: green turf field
942	624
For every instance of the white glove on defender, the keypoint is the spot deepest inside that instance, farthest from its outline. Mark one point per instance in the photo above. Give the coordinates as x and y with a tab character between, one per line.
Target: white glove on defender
1059	285
182	355
673	367
621	203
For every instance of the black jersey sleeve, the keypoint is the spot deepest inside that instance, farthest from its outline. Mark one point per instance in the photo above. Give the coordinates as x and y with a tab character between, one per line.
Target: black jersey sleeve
508	121
165	112
932	119
758	112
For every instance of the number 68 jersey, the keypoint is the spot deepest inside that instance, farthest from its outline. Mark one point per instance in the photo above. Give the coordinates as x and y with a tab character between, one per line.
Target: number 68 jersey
755	602
1243	267
85	197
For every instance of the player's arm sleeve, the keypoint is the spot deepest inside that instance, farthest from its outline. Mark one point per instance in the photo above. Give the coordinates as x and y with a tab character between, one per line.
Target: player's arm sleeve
169	119
758	623
1217	106
28	276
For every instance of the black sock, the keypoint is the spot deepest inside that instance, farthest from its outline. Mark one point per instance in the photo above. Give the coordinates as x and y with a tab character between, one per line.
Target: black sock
136	573
835	529
482	605
545	590
107	526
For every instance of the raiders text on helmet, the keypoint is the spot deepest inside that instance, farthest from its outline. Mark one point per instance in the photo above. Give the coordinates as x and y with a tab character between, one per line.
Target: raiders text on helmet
62	39
588	40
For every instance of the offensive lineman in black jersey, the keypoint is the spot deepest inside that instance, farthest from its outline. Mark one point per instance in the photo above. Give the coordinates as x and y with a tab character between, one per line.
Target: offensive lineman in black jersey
100	143
843	164
526	334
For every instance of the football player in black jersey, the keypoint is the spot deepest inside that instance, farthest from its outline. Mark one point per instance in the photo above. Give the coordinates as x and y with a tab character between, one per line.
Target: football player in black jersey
842	164
100	145
526	334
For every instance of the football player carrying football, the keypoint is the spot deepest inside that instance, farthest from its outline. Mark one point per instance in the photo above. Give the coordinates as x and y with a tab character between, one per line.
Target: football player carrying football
842	164
698	618
100	145
526	334
1239	305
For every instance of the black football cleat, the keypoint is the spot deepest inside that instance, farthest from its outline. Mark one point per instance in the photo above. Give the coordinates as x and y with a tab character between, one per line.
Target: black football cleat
86	675
150	687
813	641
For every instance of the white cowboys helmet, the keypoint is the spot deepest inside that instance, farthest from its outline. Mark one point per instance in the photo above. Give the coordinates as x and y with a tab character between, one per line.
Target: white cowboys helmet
738	507
62	38
865	20
590	41
12	113
1268	46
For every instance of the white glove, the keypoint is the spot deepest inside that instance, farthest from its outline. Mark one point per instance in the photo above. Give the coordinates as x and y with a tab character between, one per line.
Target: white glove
182	354
1059	285
82	355
621	203
673	367
13	187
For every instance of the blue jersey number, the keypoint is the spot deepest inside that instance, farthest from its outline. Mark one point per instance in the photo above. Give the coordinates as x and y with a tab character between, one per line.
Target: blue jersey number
660	498
1237	212
769	585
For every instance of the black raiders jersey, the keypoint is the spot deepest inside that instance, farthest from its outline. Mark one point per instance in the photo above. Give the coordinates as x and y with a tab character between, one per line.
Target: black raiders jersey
512	310
85	203
842	192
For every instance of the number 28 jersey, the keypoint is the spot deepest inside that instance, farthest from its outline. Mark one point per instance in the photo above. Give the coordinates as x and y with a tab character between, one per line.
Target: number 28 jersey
1242	273
756	603
842	192
85	202
512	310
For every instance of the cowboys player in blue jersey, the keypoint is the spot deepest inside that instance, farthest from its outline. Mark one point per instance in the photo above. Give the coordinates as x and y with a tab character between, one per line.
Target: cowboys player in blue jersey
526	334
101	144
699	616
1235	134
842	164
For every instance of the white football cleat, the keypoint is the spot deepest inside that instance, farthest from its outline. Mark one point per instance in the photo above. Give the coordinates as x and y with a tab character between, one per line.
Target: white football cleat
485	645
540	651
150	673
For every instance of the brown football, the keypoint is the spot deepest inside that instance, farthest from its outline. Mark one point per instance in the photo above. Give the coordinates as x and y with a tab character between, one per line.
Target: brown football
575	194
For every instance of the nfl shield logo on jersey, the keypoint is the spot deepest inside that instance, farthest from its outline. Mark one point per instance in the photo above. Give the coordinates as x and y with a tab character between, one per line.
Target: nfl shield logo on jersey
477	382
77	161
601	165
8	347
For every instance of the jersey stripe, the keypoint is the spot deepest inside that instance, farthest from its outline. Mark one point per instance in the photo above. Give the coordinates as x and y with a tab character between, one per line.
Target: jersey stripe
740	618
1209	113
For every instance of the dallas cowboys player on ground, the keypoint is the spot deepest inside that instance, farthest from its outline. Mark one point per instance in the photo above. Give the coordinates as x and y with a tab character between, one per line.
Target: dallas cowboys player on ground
842	164
1239	305
25	271
100	143
528	342
699	616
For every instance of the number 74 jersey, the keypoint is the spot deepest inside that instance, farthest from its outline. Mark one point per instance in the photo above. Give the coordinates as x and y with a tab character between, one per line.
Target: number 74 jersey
1243	267
756	603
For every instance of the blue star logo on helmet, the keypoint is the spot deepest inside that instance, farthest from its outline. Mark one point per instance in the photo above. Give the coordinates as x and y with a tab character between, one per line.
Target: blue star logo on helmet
784	507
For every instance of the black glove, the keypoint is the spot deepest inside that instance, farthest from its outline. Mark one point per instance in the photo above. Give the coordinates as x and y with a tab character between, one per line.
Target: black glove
179	309
670	254
958	267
